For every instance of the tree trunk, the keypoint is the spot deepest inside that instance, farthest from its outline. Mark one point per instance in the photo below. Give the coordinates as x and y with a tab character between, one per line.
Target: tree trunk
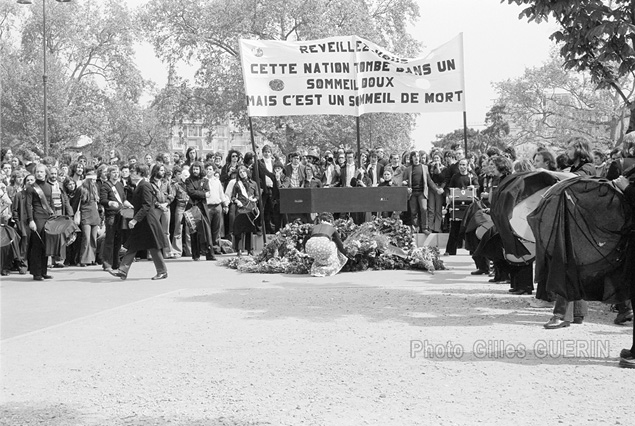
631	120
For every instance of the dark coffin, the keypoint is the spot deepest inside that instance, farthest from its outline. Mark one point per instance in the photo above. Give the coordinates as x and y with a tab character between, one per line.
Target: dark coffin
316	200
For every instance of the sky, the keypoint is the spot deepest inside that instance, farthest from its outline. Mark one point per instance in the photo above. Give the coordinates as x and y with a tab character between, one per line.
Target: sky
497	46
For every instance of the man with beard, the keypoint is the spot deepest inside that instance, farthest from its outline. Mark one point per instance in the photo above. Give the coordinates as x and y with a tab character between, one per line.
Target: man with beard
113	198
60	205
38	210
146	232
196	189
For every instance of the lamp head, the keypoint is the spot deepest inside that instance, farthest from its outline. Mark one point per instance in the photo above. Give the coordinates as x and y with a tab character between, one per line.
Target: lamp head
25	2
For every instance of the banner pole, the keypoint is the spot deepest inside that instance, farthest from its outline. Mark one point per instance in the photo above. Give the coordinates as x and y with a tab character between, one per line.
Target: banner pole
359	145
257	180
465	131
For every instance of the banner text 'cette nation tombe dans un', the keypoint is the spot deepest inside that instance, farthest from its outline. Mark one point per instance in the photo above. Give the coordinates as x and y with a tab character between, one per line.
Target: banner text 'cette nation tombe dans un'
349	76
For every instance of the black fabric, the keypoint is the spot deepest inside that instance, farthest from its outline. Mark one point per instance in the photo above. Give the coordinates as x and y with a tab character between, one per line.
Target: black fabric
582	228
510	192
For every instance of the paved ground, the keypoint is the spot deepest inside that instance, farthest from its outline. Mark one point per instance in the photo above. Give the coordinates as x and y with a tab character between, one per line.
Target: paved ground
210	346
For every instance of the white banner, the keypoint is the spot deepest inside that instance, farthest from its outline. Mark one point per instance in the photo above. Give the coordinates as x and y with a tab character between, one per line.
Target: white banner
349	76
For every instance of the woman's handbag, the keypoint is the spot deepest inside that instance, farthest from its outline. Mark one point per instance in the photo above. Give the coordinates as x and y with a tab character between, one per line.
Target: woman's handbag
250	208
77	217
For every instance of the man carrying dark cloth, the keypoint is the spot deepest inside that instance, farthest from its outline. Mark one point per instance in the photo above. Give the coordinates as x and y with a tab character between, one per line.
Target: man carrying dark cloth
146	231
627	356
38	210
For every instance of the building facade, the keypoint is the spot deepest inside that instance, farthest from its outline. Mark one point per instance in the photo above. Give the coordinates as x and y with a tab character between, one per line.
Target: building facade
216	139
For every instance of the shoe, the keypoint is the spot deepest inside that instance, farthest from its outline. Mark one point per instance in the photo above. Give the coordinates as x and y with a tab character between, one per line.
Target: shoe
522	292
58	265
496	280
513	290
83	265
250	252
118	273
623	318
210	257
446	254
556	322
239	253
578	320
38	278
626	353
540	304
478	272
196	259
22	270
4	273
627	362
161	276
47	277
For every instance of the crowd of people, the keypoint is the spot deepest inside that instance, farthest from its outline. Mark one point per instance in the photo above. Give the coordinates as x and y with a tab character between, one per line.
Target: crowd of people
174	204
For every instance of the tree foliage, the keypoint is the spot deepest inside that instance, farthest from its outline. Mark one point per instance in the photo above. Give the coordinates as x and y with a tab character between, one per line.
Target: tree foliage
206	32
595	36
94	85
548	104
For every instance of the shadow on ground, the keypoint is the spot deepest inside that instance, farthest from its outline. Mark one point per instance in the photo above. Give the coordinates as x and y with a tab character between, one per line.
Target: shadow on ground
446	306
62	415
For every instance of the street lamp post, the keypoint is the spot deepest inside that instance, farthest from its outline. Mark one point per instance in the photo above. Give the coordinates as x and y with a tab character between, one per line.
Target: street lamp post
44	75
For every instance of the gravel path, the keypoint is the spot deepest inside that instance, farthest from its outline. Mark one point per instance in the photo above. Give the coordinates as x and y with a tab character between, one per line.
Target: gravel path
210	346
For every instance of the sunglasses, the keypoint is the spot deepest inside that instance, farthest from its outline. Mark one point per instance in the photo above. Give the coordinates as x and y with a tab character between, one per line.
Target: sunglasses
234	156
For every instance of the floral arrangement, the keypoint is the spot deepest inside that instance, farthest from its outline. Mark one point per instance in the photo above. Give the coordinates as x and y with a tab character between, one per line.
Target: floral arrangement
383	243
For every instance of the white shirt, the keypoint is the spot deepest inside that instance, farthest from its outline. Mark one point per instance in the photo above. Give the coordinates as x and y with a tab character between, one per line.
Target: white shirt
215	194
269	165
350	173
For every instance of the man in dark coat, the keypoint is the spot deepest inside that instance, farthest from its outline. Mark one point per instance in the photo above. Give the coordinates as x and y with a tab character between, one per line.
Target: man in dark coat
417	178
38	210
627	356
112	197
146	230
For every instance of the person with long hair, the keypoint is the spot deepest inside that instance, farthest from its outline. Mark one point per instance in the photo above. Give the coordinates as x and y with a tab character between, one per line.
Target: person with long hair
230	169
196	188
112	198
417	179
579	154
76	172
73	251
146	232
191	156
22	180
246	200
90	219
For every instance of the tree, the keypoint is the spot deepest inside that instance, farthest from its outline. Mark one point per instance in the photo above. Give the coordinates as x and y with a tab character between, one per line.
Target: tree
475	140
549	104
208	32
595	36
91	68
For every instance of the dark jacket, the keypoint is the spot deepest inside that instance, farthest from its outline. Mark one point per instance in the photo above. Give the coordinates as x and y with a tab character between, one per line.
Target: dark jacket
107	194
148	232
427	180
